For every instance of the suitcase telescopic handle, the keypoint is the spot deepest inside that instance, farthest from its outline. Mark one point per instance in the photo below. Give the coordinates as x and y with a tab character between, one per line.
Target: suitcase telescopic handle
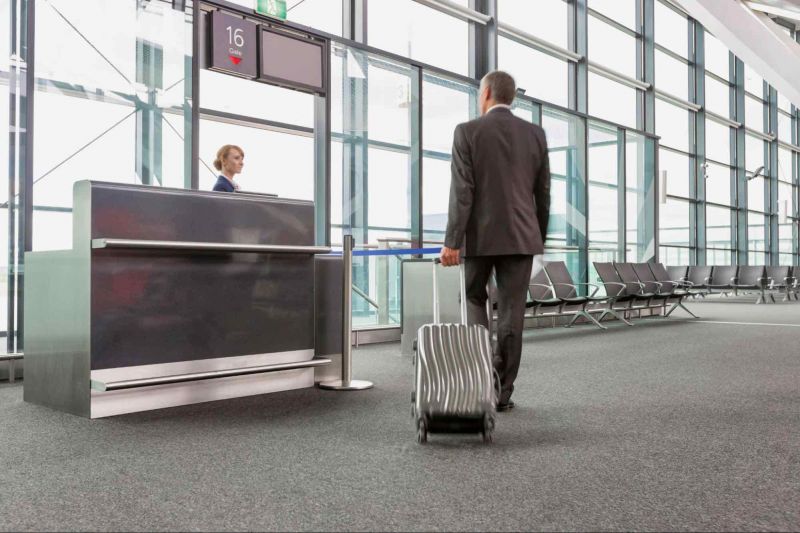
462	291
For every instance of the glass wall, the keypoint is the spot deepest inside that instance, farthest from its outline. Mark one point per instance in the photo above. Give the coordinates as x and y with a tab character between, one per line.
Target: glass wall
110	106
115	105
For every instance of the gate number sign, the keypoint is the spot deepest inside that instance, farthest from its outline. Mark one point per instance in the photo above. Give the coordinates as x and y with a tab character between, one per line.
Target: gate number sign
233	45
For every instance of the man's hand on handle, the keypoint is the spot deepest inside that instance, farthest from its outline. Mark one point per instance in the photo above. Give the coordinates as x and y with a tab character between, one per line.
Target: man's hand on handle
450	256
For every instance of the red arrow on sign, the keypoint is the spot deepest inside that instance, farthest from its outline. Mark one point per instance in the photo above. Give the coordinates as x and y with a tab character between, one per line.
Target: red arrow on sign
235	60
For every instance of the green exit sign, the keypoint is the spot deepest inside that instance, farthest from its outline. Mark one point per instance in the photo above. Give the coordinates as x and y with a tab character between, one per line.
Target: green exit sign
272	8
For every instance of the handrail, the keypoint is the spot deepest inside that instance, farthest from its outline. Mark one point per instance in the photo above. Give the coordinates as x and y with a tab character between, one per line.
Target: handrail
101	386
206	246
364	295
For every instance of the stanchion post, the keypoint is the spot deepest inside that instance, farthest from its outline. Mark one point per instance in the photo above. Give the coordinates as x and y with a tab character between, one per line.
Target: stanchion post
347	383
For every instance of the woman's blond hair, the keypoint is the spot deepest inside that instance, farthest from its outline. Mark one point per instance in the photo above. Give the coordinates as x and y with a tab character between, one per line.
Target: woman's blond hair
223	152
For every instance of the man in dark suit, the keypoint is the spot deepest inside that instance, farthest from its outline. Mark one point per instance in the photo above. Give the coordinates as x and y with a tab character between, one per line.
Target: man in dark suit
499	208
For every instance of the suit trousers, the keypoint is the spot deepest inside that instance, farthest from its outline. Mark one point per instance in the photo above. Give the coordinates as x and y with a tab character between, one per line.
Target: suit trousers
512	274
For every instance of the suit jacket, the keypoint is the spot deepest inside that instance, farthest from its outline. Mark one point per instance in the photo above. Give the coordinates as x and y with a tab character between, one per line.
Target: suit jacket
223	184
500	187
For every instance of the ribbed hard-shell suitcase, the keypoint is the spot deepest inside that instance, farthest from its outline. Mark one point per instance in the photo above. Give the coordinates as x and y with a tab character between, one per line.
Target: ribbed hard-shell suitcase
454	385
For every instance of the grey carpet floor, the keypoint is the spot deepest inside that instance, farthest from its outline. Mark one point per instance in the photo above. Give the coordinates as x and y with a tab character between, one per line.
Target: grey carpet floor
669	425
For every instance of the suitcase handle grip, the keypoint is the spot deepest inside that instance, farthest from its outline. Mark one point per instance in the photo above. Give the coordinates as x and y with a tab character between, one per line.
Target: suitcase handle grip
462	291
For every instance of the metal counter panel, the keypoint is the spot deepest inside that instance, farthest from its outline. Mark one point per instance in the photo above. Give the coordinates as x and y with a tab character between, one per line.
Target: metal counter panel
155	213
328	304
164	307
57	331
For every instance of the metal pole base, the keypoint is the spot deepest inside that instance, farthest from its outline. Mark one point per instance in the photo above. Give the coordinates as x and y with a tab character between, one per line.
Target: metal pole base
339	384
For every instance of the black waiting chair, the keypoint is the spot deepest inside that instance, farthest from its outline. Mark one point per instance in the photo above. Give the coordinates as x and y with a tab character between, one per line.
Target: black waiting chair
697	278
677	273
678	288
751	278
722	279
624	298
648	296
666	292
780	279
546	302
565	288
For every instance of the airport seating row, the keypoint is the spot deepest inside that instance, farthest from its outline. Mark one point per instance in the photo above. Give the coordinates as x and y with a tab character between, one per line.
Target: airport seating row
626	287
726	280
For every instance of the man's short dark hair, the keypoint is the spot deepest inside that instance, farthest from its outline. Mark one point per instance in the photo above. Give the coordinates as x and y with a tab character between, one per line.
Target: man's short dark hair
502	86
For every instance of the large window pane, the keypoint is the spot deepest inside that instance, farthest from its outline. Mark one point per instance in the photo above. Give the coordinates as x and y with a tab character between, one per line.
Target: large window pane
718	141
754	113
611	47
718	184
785	125
755	194
718	227
754	153
621	11
5	53
612	101
674	256
672	125
784	103
106	93
720	257
541	75
717	57
256	100
325	15
756	243
785	164
603	188
639	198
445	105
718	96
546	19
678	169
274	162
786	227
672	76
410	29
671	29
389	102
753	82
673	222
372	104
565	139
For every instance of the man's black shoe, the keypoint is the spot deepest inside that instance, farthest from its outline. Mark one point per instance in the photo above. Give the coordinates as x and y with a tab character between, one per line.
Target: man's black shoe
505	406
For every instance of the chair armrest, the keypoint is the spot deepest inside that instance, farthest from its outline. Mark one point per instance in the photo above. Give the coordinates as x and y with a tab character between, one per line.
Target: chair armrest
548	287
576	285
570	285
622	286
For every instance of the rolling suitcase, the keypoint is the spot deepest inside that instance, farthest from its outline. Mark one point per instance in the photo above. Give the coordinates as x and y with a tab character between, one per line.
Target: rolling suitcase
454	386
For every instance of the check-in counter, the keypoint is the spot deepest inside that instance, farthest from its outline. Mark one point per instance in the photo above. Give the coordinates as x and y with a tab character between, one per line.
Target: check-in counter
171	297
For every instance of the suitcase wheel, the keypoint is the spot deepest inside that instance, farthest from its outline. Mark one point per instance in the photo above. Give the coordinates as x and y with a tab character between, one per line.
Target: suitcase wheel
422	431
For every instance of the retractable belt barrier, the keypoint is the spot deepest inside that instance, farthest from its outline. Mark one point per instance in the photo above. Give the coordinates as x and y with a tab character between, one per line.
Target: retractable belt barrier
347	383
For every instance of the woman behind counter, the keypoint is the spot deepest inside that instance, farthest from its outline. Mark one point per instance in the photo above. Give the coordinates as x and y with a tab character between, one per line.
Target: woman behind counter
229	161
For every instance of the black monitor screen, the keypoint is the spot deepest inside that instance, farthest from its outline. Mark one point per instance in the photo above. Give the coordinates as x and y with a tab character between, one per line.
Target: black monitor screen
292	61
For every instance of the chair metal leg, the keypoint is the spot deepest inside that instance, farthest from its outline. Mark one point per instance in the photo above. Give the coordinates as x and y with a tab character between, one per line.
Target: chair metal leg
572	322
616	315
680	304
590	318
